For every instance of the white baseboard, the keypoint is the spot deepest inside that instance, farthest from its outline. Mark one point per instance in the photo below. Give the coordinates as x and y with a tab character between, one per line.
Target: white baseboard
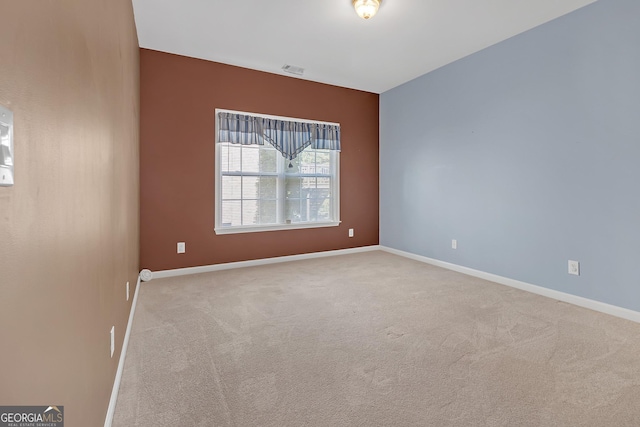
602	307
123	353
227	266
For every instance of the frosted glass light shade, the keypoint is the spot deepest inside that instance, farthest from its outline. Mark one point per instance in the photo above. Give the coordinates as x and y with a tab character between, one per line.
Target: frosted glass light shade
366	8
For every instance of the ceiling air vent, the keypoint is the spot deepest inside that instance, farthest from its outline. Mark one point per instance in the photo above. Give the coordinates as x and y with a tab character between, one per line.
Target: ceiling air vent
292	69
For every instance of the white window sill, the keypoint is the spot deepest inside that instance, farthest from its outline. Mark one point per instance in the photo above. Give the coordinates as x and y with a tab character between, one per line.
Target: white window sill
277	227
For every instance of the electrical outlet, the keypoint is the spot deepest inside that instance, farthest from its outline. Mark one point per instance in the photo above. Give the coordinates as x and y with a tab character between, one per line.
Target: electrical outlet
454	244
127	291
113	339
351	232
181	247
574	268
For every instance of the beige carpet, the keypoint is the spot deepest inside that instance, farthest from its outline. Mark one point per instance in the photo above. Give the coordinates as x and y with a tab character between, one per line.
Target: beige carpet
371	339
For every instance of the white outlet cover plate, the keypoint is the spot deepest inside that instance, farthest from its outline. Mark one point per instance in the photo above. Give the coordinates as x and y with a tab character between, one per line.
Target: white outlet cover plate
113	339
6	147
574	268
454	244
351	232
181	247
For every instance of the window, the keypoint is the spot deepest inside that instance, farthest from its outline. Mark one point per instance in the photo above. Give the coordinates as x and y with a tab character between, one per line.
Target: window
258	189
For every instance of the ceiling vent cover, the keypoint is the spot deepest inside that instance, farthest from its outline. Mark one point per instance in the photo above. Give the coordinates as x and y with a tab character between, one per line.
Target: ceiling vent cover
292	69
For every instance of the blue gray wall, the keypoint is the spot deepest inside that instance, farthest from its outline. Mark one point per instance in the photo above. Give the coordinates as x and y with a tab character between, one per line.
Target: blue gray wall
527	153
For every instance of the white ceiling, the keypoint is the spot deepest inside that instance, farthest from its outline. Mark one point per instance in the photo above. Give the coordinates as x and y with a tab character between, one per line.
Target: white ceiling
406	39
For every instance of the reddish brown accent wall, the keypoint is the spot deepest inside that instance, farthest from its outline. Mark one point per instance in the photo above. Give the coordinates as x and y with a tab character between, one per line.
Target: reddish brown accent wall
69	70
178	99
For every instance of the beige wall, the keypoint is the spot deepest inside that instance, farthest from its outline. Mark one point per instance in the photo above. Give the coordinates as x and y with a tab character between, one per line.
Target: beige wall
69	226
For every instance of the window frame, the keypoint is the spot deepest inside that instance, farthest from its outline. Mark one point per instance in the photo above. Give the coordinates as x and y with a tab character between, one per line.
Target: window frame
218	173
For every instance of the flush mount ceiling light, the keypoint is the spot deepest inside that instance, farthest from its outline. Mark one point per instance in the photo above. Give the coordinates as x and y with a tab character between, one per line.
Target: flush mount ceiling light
366	8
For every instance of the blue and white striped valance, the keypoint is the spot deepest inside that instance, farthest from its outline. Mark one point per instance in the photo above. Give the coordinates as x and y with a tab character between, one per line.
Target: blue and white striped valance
287	136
